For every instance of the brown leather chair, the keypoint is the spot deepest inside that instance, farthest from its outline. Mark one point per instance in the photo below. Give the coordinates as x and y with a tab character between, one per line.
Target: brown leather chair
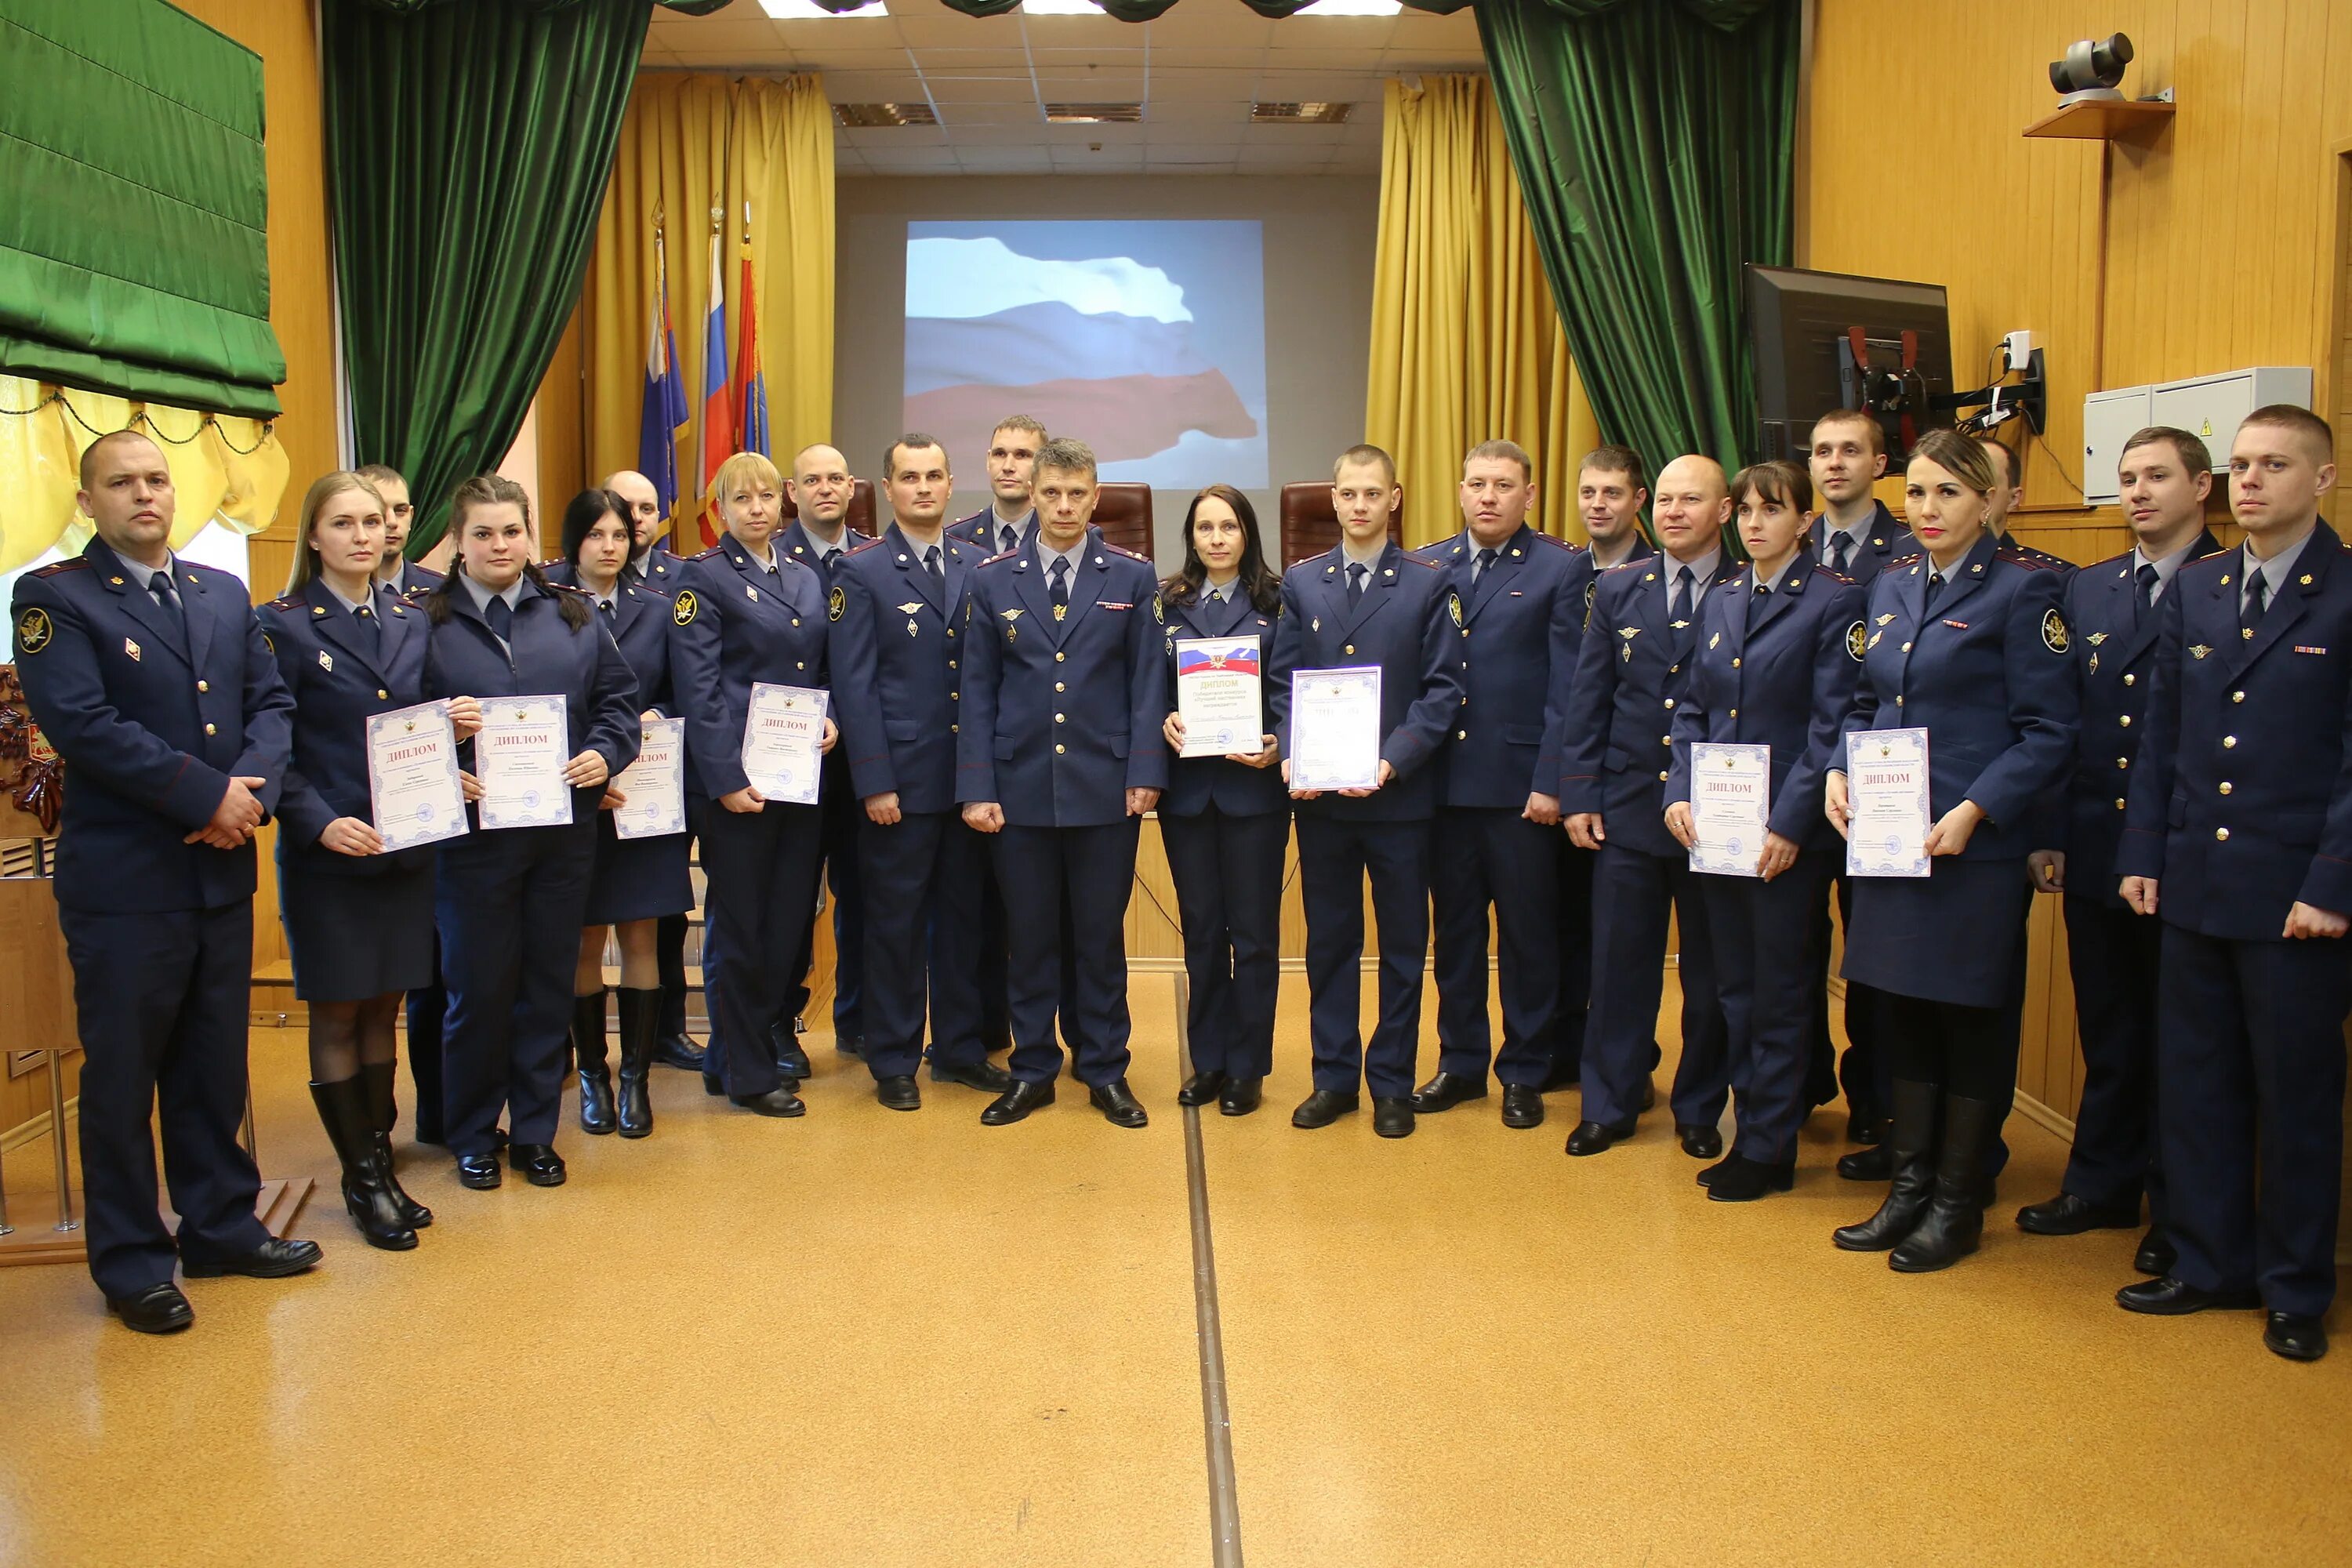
861	508
1309	524
1123	512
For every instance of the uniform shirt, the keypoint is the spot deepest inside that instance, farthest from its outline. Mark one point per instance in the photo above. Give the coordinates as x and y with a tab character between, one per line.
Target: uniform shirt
2274	571
2166	566
1702	571
511	593
1879	542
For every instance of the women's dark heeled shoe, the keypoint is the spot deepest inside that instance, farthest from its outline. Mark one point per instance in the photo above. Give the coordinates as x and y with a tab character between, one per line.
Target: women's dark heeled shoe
640	1029
588	1053
367	1192
382	1111
1911	1135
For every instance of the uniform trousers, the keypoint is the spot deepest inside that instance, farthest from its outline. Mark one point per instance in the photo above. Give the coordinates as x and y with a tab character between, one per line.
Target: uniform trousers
1336	855
1632	894
1573	869
1483	858
759	869
2250	1049
1094	869
2113	955
428	1012
844	816
509	905
1862	1072
1770	976
669	957
1228	872
163	1002
922	940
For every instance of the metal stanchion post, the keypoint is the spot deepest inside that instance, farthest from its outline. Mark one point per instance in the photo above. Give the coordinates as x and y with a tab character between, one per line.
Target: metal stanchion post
66	1220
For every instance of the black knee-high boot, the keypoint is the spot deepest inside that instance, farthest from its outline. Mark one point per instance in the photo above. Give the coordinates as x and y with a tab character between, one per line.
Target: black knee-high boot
367	1187
1954	1222
588	1053
640	1028
378	1078
1911	1142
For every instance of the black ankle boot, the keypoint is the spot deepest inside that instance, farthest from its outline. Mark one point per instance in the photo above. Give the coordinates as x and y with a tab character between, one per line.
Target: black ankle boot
1910	1139
1954	1222
589	1055
640	1027
367	1192
382	1111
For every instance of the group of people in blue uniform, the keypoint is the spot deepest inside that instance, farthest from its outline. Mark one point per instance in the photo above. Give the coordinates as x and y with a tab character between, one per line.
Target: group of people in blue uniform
1002	714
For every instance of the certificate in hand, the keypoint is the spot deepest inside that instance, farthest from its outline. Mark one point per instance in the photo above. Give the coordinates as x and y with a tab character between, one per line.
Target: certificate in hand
1731	799
783	737
519	756
1217	696
414	790
1335	729
1886	801
654	786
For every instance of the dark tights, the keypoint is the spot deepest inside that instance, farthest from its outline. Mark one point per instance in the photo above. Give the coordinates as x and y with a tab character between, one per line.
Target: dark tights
1965	1051
344	1034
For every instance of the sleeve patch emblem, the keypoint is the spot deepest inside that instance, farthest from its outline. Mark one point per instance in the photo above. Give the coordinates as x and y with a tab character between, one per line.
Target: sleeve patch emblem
1856	643
2054	631
34	631
682	610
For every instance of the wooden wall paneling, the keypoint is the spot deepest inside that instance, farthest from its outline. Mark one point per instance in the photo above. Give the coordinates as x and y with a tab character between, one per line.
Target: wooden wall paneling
35	978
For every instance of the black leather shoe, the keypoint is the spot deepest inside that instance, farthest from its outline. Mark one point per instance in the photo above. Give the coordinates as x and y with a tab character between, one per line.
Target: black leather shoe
778	1101
1707	1173
1447	1091
677	1051
898	1092
1200	1089
2156	1255
712	1084
793	1063
1241	1096
981	1074
1865	1122
1741	1180
273	1259
1649	1096
1872	1165
2296	1337
1016	1102
1393	1118
1522	1106
2168	1298
1324	1107
1117	1103
1699	1143
480	1172
539	1165
1595	1137
850	1044
2068	1214
157	1310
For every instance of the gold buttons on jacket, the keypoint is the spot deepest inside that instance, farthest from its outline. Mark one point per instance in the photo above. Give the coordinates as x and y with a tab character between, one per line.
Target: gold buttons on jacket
1907	647
2123	762
2228	741
1461	734
1662	778
1735	712
1057	686
2131	680
2119	805
212	729
1735	664
382	695
1059	748
2125	720
1666	740
1059	718
1898	702
203	686
2236	697
2222	833
1060	658
955	696
1349	647
2225	786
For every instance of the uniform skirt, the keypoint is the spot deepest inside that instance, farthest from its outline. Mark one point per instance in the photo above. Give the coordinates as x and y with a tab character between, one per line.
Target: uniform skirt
637	878
354	937
1950	936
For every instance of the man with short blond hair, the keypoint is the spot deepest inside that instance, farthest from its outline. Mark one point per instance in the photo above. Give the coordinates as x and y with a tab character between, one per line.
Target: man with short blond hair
1010	516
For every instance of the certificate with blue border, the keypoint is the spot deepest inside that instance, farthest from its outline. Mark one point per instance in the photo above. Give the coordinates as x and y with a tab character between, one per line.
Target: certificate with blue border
519	756
654	786
1730	802
414	790
1887	802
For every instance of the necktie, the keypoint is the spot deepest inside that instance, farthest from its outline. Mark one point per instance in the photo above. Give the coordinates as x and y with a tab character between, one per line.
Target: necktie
168	601
1479	568
931	563
500	615
2146	586
1840	546
611	610
1007	537
1935	587
1060	585
1679	610
2257	601
370	631
1356	575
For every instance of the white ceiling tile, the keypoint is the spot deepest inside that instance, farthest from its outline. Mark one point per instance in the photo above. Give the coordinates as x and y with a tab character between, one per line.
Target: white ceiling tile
739	28
917	158
948	90
1298	34
1459	31
1278	135
1220	24
998	136
1323	60
657	53
1106	88
1079	135
1322	86
925	23
853	60
1406	62
1005	160
973	62
962	114
1354	161
891	138
873	87
1065	61
1081	32
1228	88
730	59
841	33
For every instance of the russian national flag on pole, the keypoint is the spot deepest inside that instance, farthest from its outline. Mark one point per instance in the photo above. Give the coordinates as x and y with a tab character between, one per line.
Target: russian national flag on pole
751	384
665	406
716	440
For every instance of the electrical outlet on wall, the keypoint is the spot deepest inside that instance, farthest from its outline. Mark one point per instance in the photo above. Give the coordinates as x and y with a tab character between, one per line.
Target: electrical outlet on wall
2017	350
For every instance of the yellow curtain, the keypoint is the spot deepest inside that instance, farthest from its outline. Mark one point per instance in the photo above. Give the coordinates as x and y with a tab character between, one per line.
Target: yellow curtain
689	144
1466	344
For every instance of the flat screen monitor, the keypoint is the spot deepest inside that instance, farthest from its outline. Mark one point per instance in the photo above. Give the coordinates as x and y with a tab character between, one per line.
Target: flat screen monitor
1800	326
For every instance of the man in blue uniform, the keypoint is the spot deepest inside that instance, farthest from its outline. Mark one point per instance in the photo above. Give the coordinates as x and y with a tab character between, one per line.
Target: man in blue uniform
1365	601
900	624
152	680
1059	756
2239	835
645	562
2112	612
1495	843
396	571
1616	756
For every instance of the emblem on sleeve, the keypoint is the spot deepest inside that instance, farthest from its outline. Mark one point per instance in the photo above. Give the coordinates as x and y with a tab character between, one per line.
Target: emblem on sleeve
1158	613
1454	607
834	603
1856	643
682	610
2054	631
33	630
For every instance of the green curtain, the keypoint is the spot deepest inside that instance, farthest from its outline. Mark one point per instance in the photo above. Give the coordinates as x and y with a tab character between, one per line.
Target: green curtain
1655	145
1118	10
468	146
134	207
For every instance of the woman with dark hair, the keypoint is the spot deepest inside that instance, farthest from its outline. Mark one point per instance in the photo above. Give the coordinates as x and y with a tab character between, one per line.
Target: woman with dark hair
359	921
635	881
512	901
1225	821
1778	652
1967	643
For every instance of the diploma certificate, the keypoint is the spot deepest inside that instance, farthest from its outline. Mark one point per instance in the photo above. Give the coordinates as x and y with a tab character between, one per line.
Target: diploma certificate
1886	801
784	736
519	755
655	784
1217	696
414	790
1730	802
1335	729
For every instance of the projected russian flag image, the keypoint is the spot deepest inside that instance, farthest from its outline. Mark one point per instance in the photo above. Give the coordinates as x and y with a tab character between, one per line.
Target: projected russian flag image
1145	340
1238	657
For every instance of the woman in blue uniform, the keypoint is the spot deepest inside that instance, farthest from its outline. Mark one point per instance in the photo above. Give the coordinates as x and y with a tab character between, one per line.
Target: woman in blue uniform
746	614
359	921
1779	649
510	902
1970	646
637	880
1225	821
